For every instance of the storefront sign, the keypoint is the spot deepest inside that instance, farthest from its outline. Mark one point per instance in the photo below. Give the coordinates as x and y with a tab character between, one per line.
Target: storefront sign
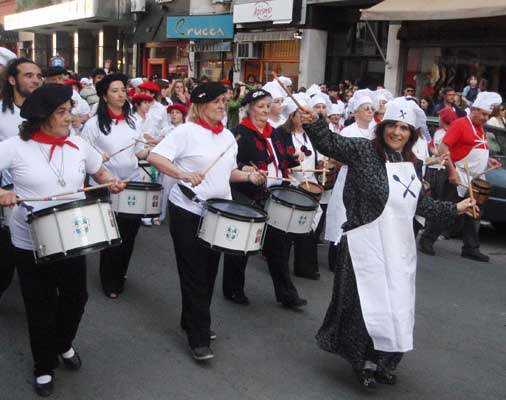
200	27
276	11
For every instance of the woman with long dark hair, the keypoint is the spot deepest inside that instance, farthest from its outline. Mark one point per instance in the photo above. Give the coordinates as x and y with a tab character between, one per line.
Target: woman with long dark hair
370	319
110	130
44	160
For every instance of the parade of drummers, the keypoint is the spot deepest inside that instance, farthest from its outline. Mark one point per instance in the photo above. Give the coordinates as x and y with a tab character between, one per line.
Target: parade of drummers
273	200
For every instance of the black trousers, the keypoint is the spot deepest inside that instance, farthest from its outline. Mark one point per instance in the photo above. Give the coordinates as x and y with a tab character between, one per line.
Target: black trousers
305	249
321	224
7	264
55	295
114	260
470	226
276	249
332	256
197	267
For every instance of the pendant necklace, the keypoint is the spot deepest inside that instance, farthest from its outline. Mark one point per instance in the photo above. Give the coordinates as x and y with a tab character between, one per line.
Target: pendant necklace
58	172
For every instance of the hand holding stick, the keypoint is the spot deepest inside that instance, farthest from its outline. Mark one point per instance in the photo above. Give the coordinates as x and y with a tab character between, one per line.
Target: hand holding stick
469	186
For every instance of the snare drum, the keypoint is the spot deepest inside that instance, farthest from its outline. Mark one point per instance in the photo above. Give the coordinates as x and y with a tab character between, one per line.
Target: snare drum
290	210
232	227
145	172
5	212
313	189
138	200
73	229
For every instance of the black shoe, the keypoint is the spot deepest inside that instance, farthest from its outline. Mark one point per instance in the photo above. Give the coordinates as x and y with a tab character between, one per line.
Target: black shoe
320	242
294	304
313	276
238	298
475	255
212	334
73	363
385	377
426	247
43	389
366	378
202	353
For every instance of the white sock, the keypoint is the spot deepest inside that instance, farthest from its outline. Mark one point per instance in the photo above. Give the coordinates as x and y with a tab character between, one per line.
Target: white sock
69	354
43	379
370	365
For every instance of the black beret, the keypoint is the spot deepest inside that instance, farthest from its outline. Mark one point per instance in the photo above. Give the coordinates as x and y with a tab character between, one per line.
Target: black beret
206	92
255	95
54	71
103	85
45	100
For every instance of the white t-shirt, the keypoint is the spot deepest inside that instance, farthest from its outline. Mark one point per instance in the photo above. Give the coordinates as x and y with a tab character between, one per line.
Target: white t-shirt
193	148
437	139
309	161
125	164
159	118
33	176
9	127
144	125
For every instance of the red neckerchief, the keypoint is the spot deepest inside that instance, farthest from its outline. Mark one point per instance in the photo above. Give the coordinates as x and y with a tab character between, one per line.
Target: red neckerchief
117	118
42	137
266	134
216	129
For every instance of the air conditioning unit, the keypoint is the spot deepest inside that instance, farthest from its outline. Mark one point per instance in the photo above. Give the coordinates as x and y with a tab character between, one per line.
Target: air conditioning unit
137	6
248	50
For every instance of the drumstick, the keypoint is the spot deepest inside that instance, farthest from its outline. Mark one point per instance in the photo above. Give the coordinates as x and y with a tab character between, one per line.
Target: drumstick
489	169
54	198
279	179
286	90
310	170
253	165
121	150
144	142
324	176
220	156
469	185
59	196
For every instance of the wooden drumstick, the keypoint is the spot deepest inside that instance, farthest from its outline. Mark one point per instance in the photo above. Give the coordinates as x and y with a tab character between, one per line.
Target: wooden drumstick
221	155
279	179
59	196
288	93
469	185
324	175
489	169
120	151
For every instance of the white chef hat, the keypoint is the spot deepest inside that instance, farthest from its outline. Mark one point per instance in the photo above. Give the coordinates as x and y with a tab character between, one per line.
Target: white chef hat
379	95
336	109
361	97
6	55
289	105
313	90
275	89
86	81
486	101
401	110
421	118
136	82
286	81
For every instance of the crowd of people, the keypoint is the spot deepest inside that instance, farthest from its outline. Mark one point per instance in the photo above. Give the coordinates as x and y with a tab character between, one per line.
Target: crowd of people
59	131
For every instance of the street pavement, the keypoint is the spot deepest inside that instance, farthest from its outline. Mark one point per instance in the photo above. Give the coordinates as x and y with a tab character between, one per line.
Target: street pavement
133	349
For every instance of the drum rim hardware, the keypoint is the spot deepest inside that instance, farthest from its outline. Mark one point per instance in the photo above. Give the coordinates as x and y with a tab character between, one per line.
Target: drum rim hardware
291	205
209	205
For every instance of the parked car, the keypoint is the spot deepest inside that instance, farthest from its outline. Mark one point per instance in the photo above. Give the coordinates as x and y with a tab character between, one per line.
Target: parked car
495	207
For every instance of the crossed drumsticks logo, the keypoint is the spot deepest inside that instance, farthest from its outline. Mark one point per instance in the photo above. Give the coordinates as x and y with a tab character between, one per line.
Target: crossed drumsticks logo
408	190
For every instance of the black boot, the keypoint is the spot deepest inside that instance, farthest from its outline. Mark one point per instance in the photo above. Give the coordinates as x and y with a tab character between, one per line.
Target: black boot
366	378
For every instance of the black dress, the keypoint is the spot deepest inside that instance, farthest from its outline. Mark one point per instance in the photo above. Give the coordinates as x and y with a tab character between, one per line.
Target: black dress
365	195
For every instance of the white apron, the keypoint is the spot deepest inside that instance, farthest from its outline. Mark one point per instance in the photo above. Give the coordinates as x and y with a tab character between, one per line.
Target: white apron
336	211
477	160
383	253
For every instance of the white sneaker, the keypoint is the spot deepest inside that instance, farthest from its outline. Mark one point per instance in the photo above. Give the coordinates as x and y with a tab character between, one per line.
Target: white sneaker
146	222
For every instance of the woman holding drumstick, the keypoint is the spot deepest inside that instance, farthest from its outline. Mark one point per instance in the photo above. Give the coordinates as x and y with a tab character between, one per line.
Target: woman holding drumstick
261	147
43	161
370	319
114	133
201	153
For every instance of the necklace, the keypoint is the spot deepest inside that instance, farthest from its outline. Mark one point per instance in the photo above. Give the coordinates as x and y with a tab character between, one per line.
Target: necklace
58	172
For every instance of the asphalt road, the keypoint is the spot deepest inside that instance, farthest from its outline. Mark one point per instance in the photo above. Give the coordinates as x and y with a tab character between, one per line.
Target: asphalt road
133	349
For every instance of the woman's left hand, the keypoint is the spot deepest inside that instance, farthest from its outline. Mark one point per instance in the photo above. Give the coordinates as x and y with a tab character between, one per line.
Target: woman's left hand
492	162
117	185
466	207
257	178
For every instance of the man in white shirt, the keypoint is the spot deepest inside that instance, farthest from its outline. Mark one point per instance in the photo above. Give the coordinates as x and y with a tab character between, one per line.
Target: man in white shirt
22	77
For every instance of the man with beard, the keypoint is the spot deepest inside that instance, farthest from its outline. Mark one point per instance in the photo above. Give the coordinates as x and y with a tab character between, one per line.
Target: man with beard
21	78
